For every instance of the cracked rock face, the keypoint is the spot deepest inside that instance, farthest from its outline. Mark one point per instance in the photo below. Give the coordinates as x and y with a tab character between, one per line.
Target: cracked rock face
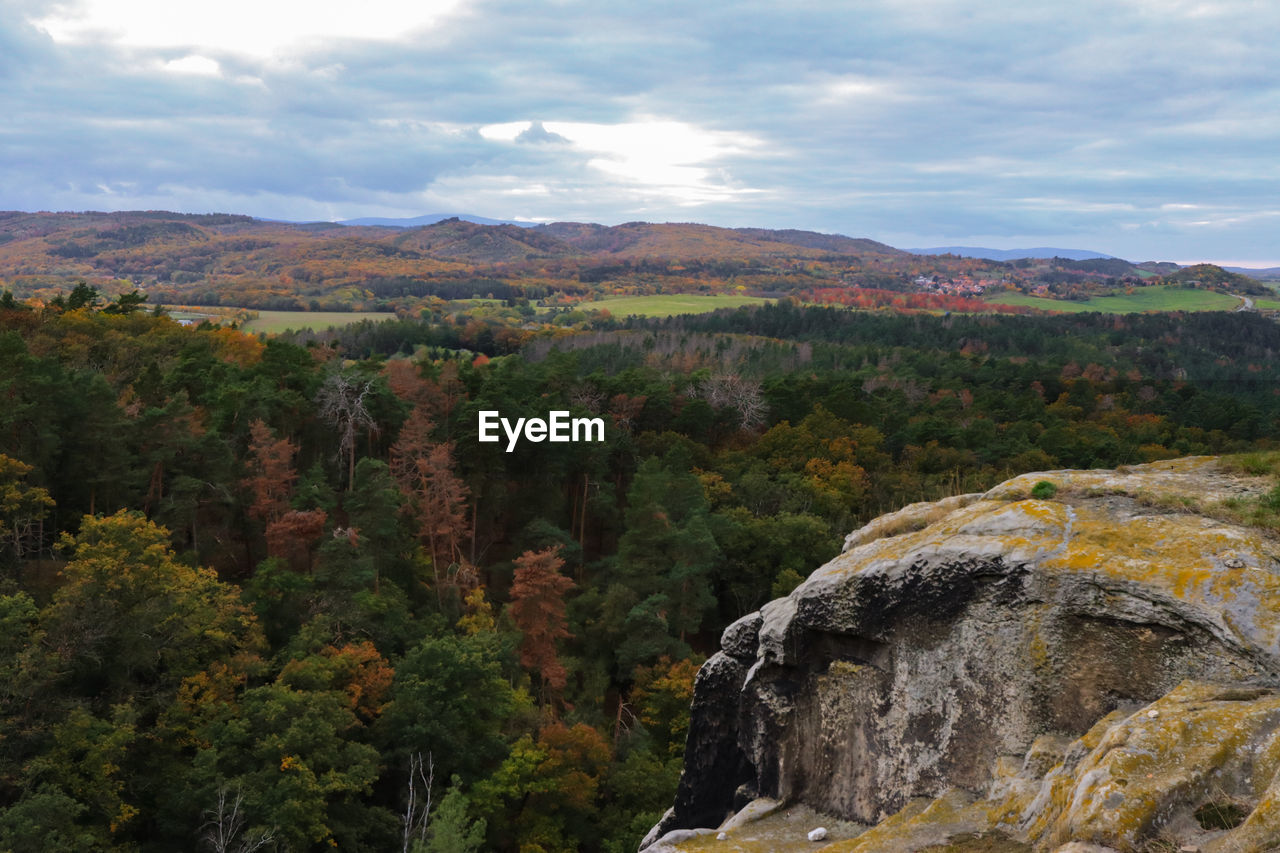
951	642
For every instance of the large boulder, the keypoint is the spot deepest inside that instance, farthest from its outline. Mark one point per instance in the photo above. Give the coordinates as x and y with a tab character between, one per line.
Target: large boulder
983	663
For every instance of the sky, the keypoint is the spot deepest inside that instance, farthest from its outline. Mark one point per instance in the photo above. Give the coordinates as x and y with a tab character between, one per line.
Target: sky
1147	129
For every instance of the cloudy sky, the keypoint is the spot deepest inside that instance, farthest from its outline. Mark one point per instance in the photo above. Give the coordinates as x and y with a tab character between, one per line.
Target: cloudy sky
1148	129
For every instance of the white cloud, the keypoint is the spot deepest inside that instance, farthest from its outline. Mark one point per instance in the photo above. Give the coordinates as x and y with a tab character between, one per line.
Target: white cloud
194	64
506	131
674	156
656	158
250	27
1191	9
852	91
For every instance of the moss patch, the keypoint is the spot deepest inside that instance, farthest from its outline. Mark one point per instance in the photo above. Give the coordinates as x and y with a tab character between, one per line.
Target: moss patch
985	842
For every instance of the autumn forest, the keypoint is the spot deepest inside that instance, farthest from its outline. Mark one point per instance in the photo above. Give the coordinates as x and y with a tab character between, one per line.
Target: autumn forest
270	592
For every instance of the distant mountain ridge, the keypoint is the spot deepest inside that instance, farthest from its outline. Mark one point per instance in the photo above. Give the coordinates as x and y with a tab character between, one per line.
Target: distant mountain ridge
625	239
690	240
204	257
1263	274
432	219
593	237
1011	254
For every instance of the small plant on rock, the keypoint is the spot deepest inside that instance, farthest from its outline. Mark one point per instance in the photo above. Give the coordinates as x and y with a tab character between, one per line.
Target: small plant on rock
1043	490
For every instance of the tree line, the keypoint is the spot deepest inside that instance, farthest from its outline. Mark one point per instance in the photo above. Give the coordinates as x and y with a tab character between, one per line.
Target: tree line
274	594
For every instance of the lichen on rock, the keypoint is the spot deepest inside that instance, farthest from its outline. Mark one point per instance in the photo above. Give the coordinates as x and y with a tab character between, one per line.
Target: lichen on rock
1098	668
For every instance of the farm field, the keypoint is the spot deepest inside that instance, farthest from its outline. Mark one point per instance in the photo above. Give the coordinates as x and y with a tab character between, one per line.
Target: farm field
192	317
665	305
273	322
1156	298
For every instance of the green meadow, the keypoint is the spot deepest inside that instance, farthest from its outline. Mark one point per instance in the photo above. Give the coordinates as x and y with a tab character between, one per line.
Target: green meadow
665	305
273	322
1143	299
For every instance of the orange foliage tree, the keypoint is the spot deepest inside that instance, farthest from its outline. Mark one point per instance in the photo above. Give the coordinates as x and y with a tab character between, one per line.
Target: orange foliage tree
271	483
293	536
538	610
435	496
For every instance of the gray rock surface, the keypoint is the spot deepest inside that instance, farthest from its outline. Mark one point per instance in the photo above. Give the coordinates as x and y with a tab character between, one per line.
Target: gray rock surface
950	637
741	638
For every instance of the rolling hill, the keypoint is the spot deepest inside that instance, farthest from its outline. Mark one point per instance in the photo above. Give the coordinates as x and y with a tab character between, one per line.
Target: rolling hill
431	219
1010	254
231	260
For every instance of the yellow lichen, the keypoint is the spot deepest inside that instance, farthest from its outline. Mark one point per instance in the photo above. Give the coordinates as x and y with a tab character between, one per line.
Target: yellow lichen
950	814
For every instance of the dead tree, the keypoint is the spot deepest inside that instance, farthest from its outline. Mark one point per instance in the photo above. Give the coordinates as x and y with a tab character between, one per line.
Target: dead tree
223	832
417	810
343	402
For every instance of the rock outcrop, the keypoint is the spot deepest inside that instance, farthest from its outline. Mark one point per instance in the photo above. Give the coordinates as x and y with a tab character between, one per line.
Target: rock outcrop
1098	667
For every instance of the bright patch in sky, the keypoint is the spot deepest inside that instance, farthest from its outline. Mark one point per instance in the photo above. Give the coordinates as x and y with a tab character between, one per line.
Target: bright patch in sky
239	26
505	132
193	65
671	156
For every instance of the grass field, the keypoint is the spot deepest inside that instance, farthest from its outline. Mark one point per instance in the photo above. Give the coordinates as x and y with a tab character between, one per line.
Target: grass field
666	305
1159	298
192	317
272	322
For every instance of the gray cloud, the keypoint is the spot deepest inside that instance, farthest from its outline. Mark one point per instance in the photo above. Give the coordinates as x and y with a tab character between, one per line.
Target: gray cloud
536	134
1138	127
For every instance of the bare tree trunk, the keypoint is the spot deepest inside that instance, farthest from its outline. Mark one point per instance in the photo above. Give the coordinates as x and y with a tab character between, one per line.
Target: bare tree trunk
582	529
435	568
417	811
475	516
222	832
342	403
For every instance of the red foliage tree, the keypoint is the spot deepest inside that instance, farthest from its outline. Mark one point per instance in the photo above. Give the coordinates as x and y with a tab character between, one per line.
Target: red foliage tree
436	496
538	610
413	443
407	382
292	537
271	461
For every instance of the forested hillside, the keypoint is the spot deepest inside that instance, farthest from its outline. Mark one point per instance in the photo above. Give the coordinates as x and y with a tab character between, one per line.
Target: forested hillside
225	260
277	589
